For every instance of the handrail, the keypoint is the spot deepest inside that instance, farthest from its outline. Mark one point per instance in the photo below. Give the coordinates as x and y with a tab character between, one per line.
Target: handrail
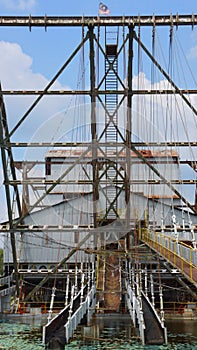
182	256
6	279
134	307
68	318
7	291
73	320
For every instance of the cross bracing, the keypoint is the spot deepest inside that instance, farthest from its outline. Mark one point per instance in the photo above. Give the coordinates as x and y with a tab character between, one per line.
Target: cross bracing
114	164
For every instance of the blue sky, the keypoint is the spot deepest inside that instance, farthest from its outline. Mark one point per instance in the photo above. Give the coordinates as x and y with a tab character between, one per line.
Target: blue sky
29	60
86	7
37	44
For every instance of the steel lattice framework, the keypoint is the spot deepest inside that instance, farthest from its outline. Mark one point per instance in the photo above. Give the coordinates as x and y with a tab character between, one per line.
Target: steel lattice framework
96	92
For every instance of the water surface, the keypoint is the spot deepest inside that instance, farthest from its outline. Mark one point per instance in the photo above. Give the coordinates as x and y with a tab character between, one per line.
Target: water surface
104	333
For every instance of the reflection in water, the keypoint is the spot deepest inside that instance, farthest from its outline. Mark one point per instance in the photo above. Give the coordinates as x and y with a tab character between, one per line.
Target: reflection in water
105	332
108	329
183	327
109	332
183	331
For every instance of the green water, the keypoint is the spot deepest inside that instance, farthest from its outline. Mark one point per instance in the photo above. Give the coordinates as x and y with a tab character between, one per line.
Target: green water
104	334
15	336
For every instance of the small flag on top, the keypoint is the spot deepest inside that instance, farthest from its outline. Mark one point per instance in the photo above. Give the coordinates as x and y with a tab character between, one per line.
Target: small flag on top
103	9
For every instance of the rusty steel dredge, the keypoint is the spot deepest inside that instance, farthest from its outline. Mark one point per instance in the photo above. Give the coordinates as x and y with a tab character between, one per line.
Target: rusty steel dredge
129	256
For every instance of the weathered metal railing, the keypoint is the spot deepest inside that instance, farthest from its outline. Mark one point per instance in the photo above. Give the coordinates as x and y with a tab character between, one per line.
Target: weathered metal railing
180	254
79	301
6	280
74	320
178	308
7	291
151	326
135	309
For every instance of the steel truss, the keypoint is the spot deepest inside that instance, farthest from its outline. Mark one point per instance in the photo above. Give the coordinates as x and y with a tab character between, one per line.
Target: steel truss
96	93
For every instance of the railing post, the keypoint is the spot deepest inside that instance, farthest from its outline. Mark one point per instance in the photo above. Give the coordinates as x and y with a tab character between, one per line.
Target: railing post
183	222
126	269
193	235
146	282
175	227
71	301
140	277
76	286
161	306
137	285
120	280
51	304
191	270
141	315
67	289
162	226
181	255
82	287
169	249
89	274
152	290
130	272
93	273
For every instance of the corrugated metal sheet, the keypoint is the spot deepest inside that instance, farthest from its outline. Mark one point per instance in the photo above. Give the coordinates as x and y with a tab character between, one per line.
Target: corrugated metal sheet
49	247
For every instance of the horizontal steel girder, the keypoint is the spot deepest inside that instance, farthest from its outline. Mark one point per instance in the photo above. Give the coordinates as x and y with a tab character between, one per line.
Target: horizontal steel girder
102	182
85	228
100	92
78	21
103	144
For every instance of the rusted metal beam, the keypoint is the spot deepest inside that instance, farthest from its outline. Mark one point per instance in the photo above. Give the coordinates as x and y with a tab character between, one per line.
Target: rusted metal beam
5	228
78	21
40	181
125	92
103	144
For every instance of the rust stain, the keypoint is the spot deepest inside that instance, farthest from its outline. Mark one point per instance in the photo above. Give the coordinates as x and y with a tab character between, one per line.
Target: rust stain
112	283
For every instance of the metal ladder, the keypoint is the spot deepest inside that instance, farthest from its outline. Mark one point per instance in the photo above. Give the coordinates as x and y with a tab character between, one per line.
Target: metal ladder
111	119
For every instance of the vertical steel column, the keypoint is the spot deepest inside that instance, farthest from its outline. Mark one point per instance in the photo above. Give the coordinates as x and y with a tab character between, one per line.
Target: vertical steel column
129	128
3	126
5	140
93	124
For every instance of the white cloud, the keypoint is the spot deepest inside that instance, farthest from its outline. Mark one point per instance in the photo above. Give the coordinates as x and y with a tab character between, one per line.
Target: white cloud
16	74
168	114
22	5
14	64
193	52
